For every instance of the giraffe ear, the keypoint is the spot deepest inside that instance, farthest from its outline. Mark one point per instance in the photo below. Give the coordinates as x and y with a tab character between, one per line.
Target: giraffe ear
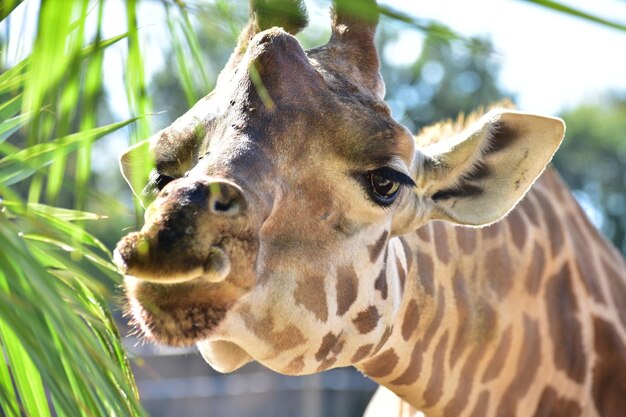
133	164
477	177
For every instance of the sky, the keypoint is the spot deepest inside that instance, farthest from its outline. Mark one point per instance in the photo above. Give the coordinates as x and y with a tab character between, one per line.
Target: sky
552	61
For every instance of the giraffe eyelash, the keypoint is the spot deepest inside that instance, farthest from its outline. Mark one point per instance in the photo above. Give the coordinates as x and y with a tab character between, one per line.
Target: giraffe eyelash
383	185
395	176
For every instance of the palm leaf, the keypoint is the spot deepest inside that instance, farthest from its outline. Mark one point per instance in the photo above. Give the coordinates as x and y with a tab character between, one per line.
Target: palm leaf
21	165
7	6
572	11
61	353
59	358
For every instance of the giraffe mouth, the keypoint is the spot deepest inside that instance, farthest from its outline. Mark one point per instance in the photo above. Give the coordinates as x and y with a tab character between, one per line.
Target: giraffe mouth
170	315
134	258
179	300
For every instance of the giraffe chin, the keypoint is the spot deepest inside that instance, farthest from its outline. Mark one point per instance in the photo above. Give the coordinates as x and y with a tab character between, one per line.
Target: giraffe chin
176	325
223	356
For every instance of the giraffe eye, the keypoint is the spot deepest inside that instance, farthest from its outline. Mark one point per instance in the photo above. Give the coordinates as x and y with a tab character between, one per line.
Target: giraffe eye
157	182
162	180
384	185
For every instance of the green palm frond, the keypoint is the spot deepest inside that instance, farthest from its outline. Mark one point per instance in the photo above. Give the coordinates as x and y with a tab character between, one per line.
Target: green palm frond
60	352
572	11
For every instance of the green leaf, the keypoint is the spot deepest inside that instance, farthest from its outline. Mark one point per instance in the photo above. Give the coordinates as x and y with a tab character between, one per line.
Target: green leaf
84	376
63	214
181	61
92	90
89	51
68	248
136	92
23	164
13	79
12	125
49	57
194	45
7	6
11	107
572	11
25	373
49	303
7	393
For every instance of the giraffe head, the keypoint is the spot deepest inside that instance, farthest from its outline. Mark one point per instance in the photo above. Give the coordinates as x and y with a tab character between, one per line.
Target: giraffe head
276	199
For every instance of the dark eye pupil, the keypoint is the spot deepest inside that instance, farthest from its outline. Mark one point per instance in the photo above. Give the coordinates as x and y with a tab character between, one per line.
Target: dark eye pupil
384	190
382	186
162	180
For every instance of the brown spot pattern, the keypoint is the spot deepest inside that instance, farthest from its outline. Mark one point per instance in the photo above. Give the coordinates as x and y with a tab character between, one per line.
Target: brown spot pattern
328	342
288	338
381	283
585	261
487	322
434	324
466	239
618	291
528	362
311	294
426	272
366	320
263	327
383	339
347	287
534	273
326	363
464	328
411	320
528	206
412	371
424	233
498	263
491	231
550	405
609	381
464	388
555	229
361	353
565	329
377	247
517	227
441	242
295	366
382	365
482	404
496	363
434	388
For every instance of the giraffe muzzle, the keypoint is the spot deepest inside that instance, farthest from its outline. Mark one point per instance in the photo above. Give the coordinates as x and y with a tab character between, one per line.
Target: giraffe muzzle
186	234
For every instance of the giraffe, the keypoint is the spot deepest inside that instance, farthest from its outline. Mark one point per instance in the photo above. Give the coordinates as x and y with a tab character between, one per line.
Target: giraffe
293	222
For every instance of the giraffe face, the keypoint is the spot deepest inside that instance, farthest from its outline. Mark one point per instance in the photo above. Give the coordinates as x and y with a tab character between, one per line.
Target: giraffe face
276	196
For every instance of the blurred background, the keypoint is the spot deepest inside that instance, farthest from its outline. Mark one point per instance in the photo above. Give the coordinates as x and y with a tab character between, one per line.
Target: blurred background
154	59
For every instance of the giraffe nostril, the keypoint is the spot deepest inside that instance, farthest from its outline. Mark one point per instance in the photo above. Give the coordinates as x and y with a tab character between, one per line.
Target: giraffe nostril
225	199
217	197
225	207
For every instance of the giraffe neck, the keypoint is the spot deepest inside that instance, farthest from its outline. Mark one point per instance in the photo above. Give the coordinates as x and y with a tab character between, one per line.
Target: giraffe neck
512	319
